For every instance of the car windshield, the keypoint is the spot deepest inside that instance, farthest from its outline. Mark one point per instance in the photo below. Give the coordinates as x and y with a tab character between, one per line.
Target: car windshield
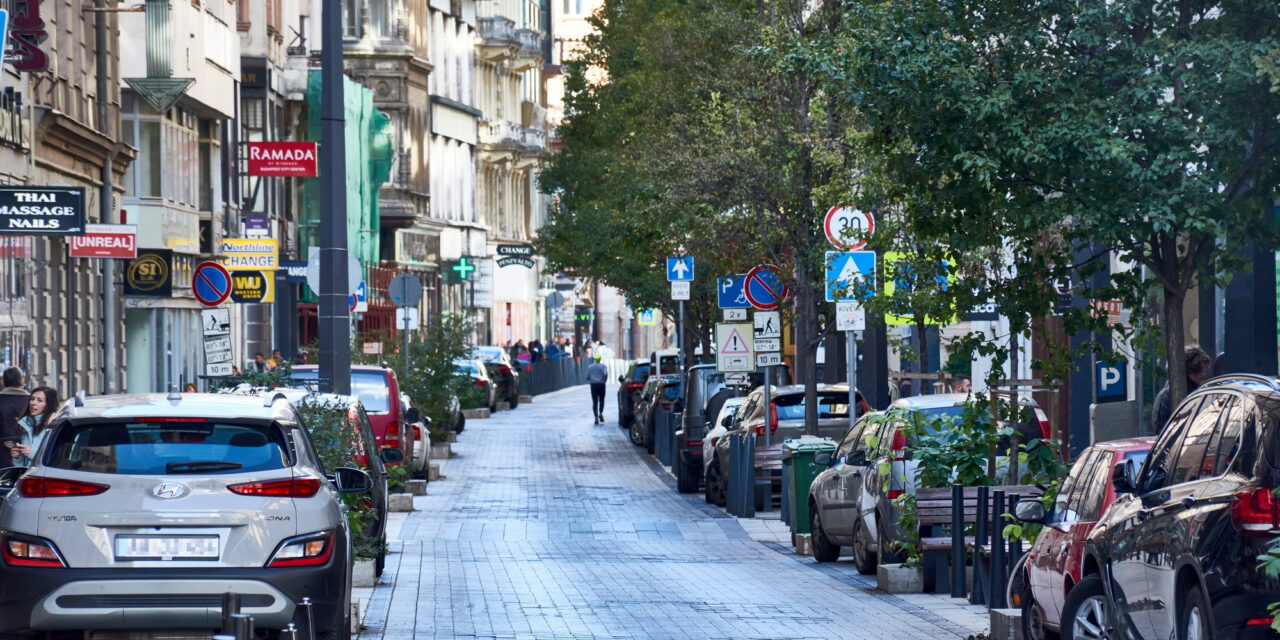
369	386
489	354
830	405
167	446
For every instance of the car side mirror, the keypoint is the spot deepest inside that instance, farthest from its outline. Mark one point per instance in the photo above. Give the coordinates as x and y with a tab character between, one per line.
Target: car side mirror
1124	478
1030	511
348	480
412	414
391	455
857	458
823	458
727	422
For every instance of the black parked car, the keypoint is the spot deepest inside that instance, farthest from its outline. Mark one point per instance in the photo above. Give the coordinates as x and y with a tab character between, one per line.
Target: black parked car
632	383
1181	542
701	383
504	372
659	392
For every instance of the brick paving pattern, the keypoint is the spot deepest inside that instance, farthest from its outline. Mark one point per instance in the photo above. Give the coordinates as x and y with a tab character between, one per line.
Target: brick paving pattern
550	527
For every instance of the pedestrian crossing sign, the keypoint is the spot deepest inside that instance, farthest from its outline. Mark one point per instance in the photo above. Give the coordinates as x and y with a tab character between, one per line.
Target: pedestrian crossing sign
734	353
647	317
850	275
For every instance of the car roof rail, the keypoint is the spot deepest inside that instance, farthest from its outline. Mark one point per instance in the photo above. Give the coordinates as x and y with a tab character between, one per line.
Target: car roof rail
1230	378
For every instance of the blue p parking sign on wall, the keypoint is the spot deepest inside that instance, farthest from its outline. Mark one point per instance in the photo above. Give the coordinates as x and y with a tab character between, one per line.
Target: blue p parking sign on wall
1111	381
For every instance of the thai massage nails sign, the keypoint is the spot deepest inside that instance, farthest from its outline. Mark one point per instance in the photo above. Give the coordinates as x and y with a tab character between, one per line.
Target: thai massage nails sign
41	211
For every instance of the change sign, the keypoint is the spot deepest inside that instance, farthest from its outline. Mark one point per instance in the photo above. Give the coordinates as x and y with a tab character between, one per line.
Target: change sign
245	254
41	211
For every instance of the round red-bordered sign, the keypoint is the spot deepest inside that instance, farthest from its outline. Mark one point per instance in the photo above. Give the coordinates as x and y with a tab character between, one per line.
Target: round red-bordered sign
845	221
764	288
211	283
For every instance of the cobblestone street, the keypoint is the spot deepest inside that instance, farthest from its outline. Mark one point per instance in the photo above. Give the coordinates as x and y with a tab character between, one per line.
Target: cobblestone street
550	527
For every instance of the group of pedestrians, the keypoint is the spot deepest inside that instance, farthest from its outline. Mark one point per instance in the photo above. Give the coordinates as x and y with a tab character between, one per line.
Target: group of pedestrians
24	417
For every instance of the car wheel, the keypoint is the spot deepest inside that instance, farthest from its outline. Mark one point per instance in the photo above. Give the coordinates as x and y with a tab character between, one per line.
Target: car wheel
514	399
634	434
863	557
380	562
1194	617
1032	619
1084	614
687	477
715	485
461	424
823	549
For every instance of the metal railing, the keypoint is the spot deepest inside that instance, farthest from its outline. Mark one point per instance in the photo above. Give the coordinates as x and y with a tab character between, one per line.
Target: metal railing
546	376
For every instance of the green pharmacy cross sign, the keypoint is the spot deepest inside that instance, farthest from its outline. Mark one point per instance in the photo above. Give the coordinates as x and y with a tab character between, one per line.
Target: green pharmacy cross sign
463	269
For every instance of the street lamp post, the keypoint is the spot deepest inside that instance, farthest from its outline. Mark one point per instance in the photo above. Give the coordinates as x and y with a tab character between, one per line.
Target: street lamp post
335	333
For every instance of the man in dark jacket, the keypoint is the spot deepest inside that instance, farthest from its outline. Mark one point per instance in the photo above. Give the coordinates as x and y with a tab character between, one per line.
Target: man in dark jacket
1198	365
13	405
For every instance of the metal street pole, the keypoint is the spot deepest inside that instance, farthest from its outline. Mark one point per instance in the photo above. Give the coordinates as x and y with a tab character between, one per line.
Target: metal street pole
335	333
768	407
106	207
680	337
404	329
851	351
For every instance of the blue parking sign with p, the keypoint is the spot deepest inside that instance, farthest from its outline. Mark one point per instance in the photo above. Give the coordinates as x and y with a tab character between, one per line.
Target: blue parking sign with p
730	293
1111	381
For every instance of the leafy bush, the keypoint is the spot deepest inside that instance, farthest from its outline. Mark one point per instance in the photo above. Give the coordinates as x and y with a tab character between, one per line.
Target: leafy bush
431	380
337	444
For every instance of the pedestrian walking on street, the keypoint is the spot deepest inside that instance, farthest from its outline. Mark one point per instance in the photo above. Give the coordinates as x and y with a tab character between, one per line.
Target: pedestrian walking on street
535	351
40	408
597	376
13	405
1198	365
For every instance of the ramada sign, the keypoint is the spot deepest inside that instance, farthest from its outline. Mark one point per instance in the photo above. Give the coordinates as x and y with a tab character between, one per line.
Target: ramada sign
283	159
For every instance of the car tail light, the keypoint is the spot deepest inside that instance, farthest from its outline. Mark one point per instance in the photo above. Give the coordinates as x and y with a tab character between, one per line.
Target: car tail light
303	551
773	418
1045	430
665	404
392	434
42	487
282	488
894	494
899	447
481	383
1255	512
693	443
504	370
1258	622
635	386
24	551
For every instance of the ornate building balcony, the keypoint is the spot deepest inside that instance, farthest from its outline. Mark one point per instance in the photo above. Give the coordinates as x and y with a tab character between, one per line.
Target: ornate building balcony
498	38
529	54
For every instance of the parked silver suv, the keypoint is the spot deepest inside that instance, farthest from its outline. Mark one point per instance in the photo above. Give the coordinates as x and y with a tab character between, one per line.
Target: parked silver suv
141	510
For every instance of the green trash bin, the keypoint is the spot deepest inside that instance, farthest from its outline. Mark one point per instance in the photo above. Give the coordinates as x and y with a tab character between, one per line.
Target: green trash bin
798	472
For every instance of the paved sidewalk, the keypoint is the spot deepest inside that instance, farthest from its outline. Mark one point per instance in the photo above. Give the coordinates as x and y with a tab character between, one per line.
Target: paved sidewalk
550	527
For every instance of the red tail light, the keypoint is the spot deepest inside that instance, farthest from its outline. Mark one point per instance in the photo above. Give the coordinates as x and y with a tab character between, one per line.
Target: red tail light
894	494
392	435
635	386
773	418
30	552
899	445
1046	431
693	443
504	370
42	487
481	383
1255	512
863	407
1258	622
283	488
304	551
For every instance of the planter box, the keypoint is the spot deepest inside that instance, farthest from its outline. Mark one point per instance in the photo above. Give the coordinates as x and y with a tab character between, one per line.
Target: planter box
804	544
1006	624
441	451
475	414
894	578
526	399
433	472
451	437
400	502
357	618
504	406
416	487
362	574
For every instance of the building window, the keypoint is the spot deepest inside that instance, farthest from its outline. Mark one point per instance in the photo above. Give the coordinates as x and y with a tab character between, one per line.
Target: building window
351	17
167	165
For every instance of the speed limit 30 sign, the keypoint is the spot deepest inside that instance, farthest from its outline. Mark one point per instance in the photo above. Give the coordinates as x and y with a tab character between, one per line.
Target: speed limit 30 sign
848	227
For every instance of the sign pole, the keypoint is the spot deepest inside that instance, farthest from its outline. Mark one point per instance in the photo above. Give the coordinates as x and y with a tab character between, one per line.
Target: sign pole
851	349
335	332
680	337
404	329
768	406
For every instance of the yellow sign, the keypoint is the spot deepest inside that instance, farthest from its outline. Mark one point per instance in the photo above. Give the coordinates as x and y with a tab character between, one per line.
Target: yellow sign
250	254
253	287
894	276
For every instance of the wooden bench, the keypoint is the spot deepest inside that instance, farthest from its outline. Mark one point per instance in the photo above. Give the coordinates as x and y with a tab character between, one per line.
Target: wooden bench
936	510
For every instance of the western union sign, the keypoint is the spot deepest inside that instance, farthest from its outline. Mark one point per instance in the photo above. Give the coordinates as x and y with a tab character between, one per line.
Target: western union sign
250	254
251	287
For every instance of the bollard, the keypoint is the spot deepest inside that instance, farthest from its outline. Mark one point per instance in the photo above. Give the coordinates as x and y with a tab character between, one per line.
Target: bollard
742	485
661	429
978	594
230	607
288	633
1015	545
675	418
997	578
243	625
306	619
957	541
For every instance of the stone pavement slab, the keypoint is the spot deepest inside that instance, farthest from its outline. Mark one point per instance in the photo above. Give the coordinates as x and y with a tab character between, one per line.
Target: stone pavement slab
551	527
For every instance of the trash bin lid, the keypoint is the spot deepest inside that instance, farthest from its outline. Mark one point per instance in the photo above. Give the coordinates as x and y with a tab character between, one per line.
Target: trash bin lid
809	445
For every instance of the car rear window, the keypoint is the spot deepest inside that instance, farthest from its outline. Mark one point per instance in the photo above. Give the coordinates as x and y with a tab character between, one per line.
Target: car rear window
489	354
672	392
640	373
167	447
791	407
369	386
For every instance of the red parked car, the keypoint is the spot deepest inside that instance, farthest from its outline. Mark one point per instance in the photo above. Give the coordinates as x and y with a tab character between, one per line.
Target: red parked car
379	392
1053	564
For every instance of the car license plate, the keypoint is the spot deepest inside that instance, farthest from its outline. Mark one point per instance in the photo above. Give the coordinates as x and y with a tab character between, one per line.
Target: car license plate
166	547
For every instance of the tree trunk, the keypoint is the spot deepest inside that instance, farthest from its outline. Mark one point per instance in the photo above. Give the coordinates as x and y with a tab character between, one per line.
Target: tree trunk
806	334
1174	345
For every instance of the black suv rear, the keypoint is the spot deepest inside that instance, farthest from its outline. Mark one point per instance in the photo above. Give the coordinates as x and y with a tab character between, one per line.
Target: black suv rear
632	382
1180	546
701	383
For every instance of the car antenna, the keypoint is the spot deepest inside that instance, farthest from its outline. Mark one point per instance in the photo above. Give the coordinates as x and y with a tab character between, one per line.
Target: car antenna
173	396
80	396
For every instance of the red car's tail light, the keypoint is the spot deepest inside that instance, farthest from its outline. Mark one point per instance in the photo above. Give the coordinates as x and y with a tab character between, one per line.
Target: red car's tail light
773	418
42	487
24	551
899	445
282	488
1255	512
481	383
392	434
504	370
894	494
1258	622
303	551
635	386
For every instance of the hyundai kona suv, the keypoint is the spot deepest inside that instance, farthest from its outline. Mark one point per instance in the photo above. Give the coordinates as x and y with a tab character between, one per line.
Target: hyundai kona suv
141	510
